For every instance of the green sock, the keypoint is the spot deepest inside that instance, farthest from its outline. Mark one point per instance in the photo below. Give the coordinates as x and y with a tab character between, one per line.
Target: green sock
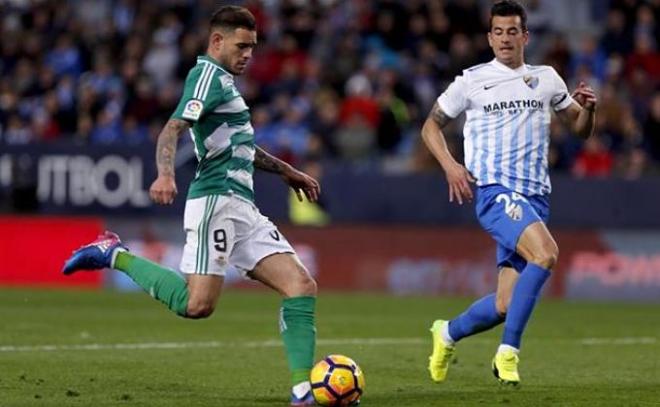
161	283
299	335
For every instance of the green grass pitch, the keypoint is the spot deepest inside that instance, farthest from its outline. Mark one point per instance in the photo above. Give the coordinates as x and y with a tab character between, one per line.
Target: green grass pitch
78	348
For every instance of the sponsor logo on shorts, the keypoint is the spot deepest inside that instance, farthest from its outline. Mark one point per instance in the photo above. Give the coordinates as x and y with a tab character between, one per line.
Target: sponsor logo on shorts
221	261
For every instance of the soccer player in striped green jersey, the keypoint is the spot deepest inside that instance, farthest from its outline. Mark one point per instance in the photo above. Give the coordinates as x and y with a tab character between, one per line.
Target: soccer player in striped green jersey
223	226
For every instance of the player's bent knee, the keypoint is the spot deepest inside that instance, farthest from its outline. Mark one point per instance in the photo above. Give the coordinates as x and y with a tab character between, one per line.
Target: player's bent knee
199	310
303	286
310	287
307	286
547	256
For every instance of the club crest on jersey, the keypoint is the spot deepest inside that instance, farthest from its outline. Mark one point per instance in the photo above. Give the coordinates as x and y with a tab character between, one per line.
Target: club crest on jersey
193	109
531	81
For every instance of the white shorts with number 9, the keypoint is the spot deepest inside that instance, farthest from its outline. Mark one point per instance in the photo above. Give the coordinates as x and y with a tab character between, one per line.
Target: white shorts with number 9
226	229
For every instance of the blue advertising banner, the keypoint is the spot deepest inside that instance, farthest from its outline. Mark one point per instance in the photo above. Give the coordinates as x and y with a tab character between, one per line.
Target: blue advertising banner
97	180
71	179
92	180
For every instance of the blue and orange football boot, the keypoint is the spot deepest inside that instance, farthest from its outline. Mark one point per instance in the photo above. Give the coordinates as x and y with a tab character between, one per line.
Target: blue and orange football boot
99	254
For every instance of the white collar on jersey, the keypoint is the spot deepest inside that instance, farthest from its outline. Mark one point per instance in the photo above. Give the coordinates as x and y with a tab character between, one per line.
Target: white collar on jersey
521	69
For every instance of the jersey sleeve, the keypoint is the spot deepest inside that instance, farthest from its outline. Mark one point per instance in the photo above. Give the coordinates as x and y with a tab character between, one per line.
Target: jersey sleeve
560	99
453	100
202	92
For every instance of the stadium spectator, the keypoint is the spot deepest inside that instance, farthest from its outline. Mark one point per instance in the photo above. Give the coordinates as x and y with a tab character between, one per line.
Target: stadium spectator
65	58
291	135
359	102
589	58
564	147
131	58
356	139
162	59
616	39
324	123
17	132
644	57
133	132
594	160
394	118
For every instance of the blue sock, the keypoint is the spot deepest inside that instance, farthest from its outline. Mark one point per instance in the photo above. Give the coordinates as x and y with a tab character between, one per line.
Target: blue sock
523	300
480	316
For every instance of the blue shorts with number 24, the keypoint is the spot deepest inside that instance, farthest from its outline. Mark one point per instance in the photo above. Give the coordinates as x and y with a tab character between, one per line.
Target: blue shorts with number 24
505	214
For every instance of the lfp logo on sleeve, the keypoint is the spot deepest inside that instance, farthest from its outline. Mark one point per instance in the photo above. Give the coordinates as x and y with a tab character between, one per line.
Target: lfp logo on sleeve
193	109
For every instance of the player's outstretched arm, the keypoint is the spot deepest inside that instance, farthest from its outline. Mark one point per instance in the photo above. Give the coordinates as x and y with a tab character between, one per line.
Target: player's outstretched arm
298	180
163	189
458	177
580	117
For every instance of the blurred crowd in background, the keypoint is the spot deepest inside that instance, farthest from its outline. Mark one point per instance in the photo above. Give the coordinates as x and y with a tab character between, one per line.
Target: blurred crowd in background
347	81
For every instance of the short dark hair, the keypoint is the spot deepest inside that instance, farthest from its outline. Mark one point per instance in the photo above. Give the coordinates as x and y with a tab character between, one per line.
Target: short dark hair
507	8
233	17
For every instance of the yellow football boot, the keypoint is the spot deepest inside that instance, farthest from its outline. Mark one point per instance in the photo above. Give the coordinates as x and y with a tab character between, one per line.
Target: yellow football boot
505	367
442	352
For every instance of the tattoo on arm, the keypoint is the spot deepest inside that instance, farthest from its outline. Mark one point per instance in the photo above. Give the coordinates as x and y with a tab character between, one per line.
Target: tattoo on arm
438	116
166	146
267	162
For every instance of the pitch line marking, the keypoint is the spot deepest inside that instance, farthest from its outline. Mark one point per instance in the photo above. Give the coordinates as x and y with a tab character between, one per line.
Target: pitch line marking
271	343
630	340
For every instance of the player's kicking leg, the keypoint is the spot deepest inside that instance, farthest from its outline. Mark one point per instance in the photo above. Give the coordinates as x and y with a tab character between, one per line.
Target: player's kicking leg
190	299
537	246
284	273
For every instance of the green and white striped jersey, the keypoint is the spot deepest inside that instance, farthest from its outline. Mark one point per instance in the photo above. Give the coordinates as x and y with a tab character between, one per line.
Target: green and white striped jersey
221	131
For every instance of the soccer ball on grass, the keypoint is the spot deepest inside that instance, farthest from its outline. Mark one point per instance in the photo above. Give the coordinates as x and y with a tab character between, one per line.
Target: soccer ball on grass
337	381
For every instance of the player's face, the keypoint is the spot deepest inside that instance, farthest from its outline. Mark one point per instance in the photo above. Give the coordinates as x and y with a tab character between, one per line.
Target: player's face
235	49
508	40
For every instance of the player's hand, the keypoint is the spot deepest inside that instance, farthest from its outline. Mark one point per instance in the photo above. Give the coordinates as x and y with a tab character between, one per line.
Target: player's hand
302	184
163	190
459	179
585	96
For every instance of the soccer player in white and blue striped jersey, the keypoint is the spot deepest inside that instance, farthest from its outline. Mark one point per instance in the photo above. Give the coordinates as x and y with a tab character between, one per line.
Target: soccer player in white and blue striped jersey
506	136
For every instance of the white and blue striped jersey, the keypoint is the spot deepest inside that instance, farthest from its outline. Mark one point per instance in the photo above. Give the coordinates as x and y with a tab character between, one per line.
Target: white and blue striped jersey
507	126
